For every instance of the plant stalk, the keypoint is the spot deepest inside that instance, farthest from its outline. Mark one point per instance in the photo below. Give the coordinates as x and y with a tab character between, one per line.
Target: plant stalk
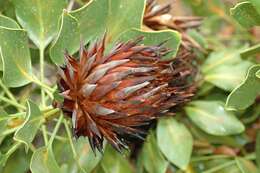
70	138
56	128
42	75
7	91
11	102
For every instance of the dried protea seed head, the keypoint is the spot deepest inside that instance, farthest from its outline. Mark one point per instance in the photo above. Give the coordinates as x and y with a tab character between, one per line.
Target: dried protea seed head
158	17
152	9
113	96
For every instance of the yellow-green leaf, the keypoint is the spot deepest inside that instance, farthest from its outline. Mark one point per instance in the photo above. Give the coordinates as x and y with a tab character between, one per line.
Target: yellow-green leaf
151	157
244	95
4	157
112	17
28	130
15	56
8	22
87	159
172	38
258	149
40	18
225	69
67	38
43	161
3	121
170	139
211	117
246	14
245	166
256	4
114	162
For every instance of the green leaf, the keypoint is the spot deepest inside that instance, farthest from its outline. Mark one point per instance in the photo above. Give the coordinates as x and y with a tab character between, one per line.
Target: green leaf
250	51
238	165
18	162
258	74
94	19
198	38
67	39
8	22
228	77
99	169
244	95
87	159
206	8
151	157
112	16
39	18
221	57
205	89
256	4
4	157
233	141
245	166
258	149
113	162
15	56
43	161
3	120
225	69
58	97
89	21
246	14
7	8
28	130
173	39
211	117
169	132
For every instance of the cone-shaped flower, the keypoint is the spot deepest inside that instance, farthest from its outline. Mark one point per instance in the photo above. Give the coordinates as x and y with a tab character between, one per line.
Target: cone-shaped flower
114	95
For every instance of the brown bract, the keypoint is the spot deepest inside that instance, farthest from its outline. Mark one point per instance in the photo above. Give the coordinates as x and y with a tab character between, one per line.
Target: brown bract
114	95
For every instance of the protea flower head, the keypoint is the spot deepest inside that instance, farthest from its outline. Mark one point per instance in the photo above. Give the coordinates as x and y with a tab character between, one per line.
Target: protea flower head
113	96
158	17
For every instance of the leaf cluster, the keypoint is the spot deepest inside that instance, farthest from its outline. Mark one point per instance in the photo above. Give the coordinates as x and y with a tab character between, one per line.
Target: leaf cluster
216	132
